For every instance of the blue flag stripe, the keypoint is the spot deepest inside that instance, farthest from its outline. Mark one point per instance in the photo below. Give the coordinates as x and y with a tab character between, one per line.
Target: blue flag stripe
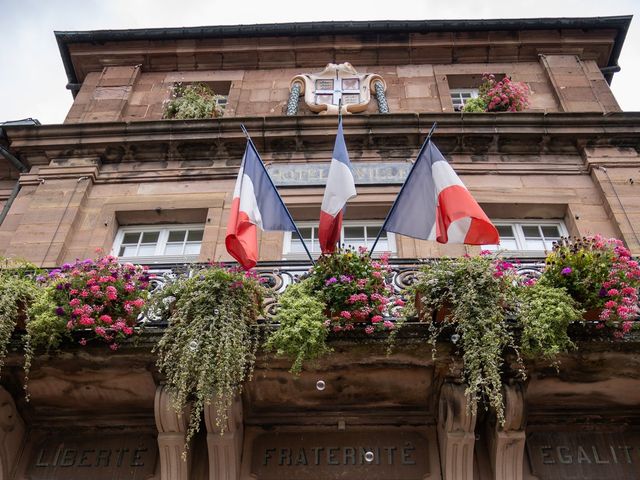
272	209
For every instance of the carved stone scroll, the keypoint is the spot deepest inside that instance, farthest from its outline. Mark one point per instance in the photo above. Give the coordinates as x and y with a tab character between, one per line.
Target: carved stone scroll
172	428
507	442
339	88
12	431
456	433
225	448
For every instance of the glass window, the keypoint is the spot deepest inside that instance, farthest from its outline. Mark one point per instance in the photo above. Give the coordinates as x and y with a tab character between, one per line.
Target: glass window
166	243
354	234
534	237
460	96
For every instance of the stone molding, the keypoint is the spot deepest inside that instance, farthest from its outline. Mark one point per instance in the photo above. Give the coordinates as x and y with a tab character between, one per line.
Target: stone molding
507	442
456	433
225	446
12	435
172	428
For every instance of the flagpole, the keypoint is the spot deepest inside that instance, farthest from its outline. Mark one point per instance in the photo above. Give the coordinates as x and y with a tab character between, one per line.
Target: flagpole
246	134
424	145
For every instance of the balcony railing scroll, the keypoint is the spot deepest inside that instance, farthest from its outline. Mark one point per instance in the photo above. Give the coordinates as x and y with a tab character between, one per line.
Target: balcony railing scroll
278	276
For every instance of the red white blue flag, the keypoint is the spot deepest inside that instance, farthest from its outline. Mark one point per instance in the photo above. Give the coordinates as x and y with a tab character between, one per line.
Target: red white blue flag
256	204
341	187
434	204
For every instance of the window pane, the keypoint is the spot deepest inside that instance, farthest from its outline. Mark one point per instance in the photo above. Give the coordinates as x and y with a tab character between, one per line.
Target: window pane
131	237
127	251
353	234
531	231
551	231
173	249
531	244
150	237
146	250
304	231
192	249
195	235
505	230
177	236
508	244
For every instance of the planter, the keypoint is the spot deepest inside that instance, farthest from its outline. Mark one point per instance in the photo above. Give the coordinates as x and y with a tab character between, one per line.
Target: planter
425	314
592	315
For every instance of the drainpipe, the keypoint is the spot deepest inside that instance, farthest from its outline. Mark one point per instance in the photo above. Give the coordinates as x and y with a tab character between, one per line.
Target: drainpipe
21	167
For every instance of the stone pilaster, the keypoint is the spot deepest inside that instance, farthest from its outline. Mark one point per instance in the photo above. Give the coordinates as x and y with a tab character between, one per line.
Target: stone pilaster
12	432
456	433
172	428
506	442
225	447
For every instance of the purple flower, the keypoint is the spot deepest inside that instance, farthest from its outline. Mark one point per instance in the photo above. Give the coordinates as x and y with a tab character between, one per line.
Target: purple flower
566	271
59	311
346	278
40	279
66	266
331	281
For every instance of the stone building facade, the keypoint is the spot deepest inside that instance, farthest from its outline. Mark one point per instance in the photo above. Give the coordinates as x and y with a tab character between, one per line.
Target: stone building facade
567	165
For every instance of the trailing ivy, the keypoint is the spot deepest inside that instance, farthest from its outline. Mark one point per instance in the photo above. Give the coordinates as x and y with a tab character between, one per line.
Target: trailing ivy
17	291
479	291
545	314
208	349
302	332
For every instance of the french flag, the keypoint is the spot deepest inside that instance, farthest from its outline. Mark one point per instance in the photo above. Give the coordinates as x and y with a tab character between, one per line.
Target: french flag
256	204
341	187
434	204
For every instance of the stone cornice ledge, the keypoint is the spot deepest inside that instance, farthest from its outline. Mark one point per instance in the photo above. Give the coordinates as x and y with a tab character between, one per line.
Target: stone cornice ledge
513	133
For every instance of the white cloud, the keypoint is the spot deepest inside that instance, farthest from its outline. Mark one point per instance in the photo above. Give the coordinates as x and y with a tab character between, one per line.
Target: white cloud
33	81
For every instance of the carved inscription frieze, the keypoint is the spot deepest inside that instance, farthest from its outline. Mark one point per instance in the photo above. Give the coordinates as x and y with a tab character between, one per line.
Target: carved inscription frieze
108	457
367	455
584	455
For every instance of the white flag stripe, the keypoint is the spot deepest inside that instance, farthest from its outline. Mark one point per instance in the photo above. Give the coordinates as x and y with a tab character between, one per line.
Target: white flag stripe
458	229
444	176
340	188
249	202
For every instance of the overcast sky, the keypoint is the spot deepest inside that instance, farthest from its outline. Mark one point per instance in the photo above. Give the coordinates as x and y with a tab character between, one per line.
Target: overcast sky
32	79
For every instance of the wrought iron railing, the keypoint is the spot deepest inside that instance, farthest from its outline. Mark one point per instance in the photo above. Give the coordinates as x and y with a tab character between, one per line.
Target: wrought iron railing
277	276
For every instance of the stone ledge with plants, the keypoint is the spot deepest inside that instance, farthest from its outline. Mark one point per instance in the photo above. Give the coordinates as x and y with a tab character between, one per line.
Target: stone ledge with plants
499	96
493	320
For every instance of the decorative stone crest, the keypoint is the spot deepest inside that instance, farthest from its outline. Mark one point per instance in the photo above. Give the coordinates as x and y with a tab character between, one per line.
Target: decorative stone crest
337	85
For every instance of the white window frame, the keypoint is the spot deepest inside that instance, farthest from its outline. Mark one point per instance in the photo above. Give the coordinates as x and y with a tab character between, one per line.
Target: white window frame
519	236
160	246
286	245
460	91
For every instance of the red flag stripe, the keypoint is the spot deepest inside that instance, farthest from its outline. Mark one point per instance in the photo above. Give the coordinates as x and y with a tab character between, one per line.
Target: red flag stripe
456	203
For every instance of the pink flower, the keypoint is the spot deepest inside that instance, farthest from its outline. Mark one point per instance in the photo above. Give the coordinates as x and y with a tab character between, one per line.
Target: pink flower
613	292
82	341
113	346
369	329
388	324
100	331
138	303
75	302
399	302
127	330
345	314
86	321
376	319
337	328
95	288
106	319
610	304
70	325
112	292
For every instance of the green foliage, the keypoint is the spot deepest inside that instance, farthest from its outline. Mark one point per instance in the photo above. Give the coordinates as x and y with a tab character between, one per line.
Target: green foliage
479	290
208	349
581	266
193	101
302	333
17	291
475	105
545	314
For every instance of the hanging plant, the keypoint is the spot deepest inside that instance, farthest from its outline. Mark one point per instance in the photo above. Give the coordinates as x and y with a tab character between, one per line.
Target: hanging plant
599	273
101	299
480	293
301	331
18	290
544	315
193	101
499	96
342	292
208	350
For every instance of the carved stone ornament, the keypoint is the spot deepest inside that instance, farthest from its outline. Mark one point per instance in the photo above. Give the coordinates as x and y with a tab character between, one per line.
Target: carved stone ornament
338	84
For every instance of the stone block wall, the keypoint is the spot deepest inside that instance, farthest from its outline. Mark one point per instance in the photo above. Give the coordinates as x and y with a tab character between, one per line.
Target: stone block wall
557	82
